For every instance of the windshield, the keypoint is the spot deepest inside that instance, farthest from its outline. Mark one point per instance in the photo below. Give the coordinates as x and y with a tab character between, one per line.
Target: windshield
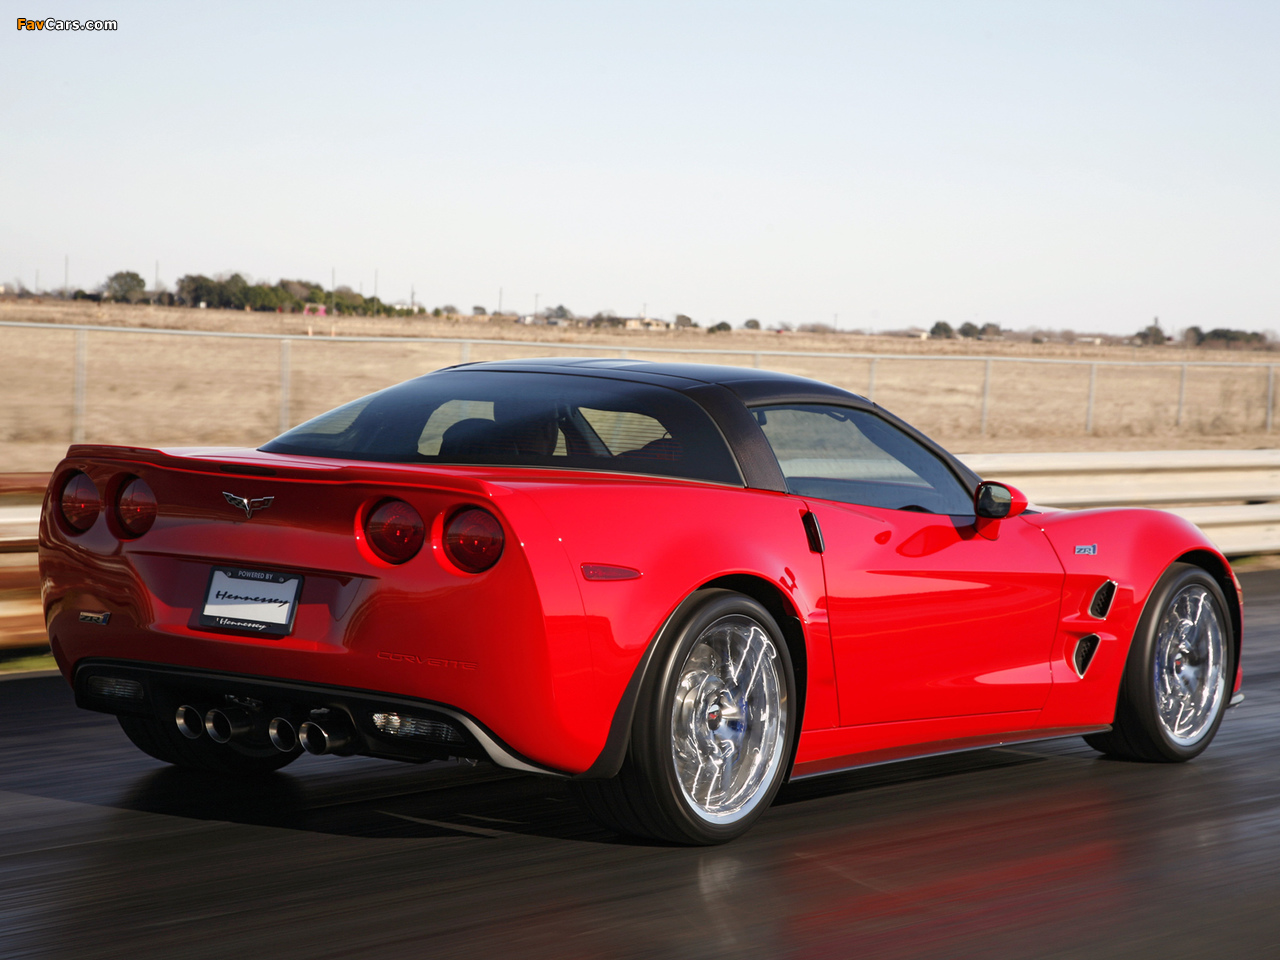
522	419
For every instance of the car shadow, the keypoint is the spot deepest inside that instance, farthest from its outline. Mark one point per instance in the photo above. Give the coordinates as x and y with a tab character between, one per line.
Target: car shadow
450	801
904	771
456	801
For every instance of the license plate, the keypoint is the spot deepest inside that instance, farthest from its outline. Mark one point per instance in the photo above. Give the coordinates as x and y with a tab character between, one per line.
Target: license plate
253	601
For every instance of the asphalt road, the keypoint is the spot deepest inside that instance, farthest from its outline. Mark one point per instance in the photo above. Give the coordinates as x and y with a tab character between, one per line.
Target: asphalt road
1040	851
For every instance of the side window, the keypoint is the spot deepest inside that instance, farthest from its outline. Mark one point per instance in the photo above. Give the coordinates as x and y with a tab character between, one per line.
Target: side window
838	453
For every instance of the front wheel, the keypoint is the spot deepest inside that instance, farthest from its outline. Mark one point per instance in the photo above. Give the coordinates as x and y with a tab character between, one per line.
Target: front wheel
712	734
1178	677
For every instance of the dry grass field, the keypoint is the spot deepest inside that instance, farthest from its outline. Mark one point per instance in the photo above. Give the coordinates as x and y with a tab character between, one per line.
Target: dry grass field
156	389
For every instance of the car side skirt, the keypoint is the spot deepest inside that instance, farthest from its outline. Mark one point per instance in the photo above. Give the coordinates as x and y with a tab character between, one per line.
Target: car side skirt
915	751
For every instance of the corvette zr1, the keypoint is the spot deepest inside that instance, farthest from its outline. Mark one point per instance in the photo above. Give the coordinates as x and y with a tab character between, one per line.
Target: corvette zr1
673	585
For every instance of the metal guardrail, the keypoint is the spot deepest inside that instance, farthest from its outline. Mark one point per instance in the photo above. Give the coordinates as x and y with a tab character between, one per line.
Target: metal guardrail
18	526
1232	495
20	496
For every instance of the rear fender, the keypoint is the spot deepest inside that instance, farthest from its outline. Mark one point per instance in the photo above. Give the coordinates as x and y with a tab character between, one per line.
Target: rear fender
680	538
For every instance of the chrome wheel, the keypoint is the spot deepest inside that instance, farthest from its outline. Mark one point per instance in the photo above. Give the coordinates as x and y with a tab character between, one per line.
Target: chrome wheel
1189	665
713	728
728	720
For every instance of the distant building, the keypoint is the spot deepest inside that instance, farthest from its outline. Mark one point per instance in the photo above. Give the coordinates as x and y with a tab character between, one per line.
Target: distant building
646	323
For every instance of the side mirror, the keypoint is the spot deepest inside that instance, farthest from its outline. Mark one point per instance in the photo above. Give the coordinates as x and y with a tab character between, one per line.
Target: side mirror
997	501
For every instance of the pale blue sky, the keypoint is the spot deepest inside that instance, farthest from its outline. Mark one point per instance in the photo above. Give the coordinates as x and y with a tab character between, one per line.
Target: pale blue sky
1064	164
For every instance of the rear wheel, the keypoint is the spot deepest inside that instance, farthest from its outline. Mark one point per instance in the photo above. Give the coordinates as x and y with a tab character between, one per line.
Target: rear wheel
1179	673
712	732
164	742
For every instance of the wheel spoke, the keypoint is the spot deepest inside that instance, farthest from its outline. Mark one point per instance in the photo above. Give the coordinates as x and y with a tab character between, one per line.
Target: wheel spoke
727	722
1189	654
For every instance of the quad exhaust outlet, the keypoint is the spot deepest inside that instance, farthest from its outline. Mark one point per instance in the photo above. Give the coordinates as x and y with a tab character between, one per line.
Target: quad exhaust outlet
222	724
326	731
326	734
190	722
283	736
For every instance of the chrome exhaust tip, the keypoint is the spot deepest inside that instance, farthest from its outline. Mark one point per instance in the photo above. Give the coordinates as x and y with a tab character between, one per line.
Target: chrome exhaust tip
190	723
330	735
224	724
283	737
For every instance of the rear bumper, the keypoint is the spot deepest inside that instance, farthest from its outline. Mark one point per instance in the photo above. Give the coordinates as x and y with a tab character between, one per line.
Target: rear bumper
158	691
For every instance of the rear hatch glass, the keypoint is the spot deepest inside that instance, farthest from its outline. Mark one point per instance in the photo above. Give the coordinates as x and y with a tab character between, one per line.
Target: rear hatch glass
522	419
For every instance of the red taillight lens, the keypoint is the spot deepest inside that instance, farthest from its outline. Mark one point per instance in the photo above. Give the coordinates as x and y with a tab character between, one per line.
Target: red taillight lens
80	502
136	508
395	531
474	539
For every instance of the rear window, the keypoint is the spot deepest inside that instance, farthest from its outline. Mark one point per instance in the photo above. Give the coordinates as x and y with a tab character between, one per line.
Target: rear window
522	419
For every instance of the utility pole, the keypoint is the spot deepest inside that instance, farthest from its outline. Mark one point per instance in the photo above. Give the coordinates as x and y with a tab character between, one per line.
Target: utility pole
535	298
499	299
413	298
157	286
333	290
37	289
375	283
66	273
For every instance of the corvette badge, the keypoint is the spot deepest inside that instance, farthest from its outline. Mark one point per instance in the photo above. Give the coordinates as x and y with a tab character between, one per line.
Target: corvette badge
250	507
1082	549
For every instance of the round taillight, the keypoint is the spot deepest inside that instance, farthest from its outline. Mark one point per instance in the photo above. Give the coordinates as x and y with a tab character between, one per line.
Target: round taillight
80	502
473	539
395	531
136	507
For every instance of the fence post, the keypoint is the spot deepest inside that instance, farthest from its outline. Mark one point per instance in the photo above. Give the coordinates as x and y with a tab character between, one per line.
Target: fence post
285	377
1182	394
755	357
1271	395
986	395
871	380
81	376
1093	382
622	354
466	352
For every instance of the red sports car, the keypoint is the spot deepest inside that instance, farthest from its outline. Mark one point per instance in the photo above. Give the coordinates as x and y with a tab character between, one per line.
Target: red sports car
674	585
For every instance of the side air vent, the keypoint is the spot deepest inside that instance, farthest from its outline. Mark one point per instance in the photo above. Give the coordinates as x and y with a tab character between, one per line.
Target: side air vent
1086	647
813	532
1101	604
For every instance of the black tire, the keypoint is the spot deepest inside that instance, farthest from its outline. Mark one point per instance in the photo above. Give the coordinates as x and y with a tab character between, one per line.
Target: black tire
722	720
164	742
1142	728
